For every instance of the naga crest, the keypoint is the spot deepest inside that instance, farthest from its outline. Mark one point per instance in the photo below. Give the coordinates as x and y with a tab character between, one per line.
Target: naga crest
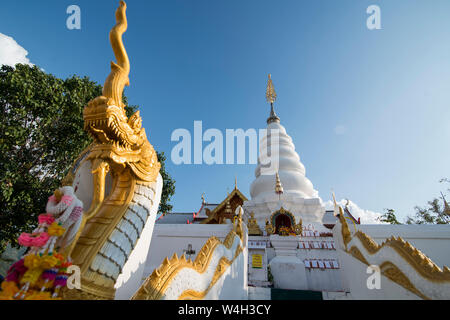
116	137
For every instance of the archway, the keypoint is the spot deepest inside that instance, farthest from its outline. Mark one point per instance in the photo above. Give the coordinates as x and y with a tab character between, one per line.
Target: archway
282	220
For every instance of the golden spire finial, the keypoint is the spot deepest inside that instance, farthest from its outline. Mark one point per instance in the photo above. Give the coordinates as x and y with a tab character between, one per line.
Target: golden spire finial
203	198
271	95
278	186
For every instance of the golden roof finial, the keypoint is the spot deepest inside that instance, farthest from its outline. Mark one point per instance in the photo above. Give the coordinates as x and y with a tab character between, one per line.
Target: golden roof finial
235	183
203	198
271	95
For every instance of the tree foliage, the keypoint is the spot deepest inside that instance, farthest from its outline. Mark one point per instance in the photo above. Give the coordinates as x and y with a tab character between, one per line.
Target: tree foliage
437	211
168	186
41	133
389	217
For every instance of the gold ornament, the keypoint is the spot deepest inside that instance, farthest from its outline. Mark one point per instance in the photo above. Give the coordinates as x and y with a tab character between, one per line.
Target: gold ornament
252	225
271	95
155	286
278	185
121	149
269	228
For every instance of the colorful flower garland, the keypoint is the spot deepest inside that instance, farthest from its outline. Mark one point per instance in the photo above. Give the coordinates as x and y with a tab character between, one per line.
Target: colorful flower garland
42	271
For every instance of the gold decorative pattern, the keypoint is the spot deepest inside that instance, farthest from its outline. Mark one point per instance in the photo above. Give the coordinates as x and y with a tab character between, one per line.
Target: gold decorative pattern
345	231
278	185
117	138
238	223
218	215
118	78
298	228
411	255
157	283
392	272
419	261
270	229
355	252
89	291
271	95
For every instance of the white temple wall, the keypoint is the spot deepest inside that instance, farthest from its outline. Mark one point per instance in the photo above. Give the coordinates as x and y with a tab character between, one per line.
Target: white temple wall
432	240
174	238
257	275
355	277
232	285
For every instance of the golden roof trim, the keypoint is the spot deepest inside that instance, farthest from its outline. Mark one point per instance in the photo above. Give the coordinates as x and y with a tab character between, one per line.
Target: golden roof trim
212	214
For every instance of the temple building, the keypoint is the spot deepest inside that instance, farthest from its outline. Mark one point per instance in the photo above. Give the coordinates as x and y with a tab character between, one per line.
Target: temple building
277	242
294	245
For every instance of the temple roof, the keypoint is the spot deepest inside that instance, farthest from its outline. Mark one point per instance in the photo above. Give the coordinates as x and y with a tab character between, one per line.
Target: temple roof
218	215
209	213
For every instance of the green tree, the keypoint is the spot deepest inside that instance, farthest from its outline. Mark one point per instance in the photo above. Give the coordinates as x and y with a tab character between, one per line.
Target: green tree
41	133
389	217
168	185
436	212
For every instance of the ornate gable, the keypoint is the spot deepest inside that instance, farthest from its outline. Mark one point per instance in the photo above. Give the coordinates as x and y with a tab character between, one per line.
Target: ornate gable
226	209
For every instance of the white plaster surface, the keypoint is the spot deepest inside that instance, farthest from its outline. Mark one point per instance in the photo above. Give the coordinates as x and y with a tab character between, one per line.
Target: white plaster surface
130	279
168	239
432	240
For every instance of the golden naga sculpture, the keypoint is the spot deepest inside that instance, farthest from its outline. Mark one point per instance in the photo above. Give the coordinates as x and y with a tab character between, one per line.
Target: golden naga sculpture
112	225
346	235
409	254
419	261
118	78
156	285
116	137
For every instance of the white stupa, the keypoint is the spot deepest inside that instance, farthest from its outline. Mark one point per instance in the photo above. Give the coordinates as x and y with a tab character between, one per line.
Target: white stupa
277	154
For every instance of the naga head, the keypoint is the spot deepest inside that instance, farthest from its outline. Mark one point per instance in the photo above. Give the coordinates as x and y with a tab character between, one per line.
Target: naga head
116	137
120	139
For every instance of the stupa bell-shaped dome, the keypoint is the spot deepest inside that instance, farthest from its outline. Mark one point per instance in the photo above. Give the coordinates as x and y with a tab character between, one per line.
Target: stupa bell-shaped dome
277	154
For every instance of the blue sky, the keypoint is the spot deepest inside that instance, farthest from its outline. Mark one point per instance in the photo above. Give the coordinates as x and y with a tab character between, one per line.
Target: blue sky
368	110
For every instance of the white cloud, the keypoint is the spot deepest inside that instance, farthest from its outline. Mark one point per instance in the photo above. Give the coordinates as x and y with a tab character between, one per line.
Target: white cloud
11	52
340	129
367	216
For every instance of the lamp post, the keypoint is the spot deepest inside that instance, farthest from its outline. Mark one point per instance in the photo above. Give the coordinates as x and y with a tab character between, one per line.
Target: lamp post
189	251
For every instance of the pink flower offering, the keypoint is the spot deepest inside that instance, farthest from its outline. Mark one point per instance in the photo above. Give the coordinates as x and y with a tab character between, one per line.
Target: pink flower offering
34	240
46	218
